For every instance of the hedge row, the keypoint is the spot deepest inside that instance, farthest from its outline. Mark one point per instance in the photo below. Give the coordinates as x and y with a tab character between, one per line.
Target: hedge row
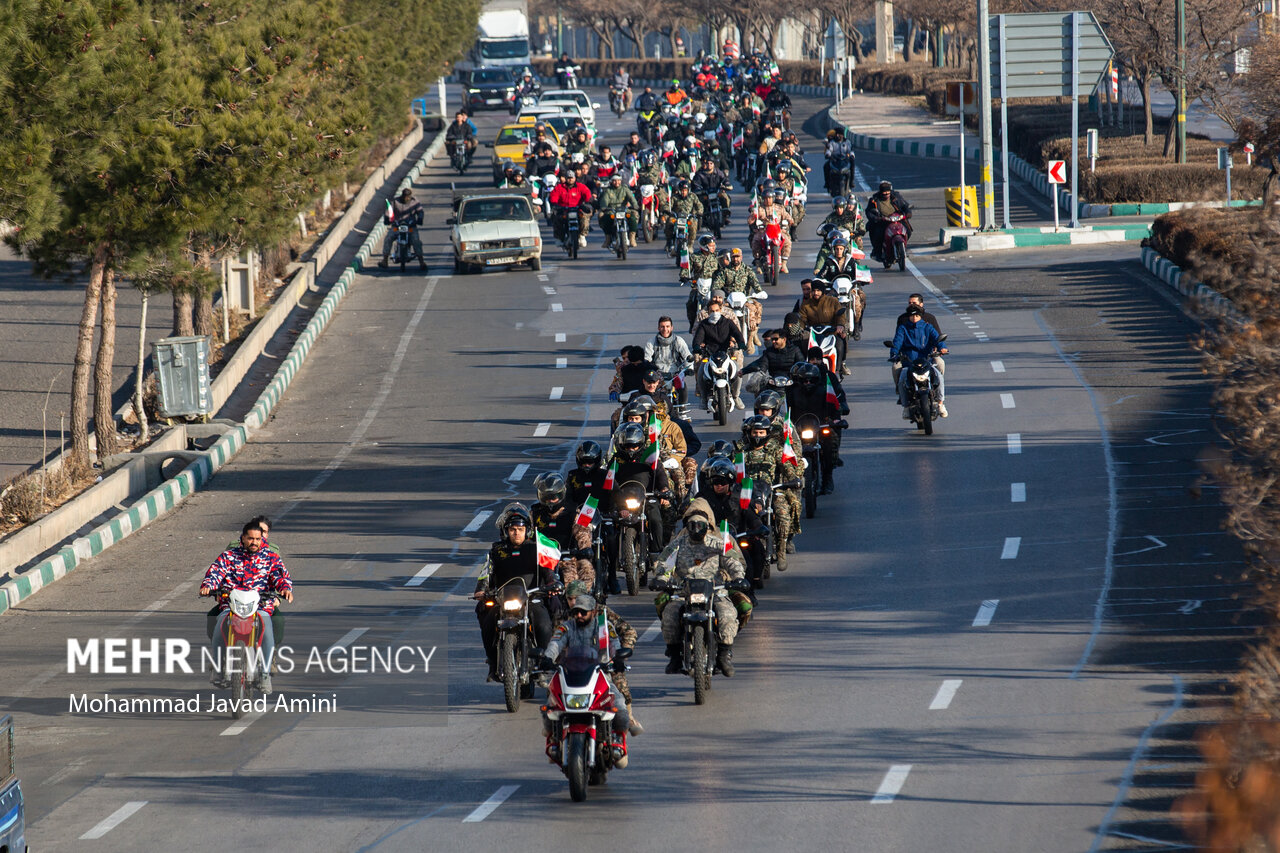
1167	182
1214	237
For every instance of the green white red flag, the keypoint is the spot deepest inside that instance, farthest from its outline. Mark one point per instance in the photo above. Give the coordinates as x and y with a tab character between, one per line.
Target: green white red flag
789	453
832	398
588	512
548	551
739	467
726	537
744	497
611	476
602	632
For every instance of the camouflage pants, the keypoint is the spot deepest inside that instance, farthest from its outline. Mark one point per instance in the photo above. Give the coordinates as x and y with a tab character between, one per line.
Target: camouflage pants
726	622
786	513
580	568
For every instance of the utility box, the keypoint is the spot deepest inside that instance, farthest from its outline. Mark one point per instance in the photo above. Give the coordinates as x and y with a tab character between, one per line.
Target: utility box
182	366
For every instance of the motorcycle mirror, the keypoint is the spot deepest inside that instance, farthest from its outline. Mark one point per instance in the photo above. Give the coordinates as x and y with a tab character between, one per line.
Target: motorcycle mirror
624	653
941	338
451	221
889	344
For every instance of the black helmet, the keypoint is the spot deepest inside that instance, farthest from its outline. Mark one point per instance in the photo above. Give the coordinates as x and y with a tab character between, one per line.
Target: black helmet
768	399
682	184
839	201
720	472
551	488
512	513
721	448
705	239
641	406
589	453
753	423
885	186
769	186
806	373
727	256
629	441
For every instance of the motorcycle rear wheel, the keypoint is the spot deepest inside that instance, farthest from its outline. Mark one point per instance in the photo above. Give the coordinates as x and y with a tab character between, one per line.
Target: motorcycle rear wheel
701	676
630	561
620	244
510	676
576	766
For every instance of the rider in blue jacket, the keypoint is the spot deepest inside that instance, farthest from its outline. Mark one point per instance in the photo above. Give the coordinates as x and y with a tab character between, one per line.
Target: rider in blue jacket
915	339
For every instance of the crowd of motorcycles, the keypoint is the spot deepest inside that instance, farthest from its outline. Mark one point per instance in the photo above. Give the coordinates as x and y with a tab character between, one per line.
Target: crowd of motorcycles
684	147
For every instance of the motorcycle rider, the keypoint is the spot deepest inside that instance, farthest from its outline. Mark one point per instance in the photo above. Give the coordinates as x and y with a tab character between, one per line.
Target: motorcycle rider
570	198
587	480
514	555
771	209
915	339
668	352
711	181
715	334
627	638
578	637
565	69
724	498
846	213
916	300
787	181
734	276
674	445
777	359
652	173
763	462
823	309
633	146
842	262
647	101
629	443
837	148
815	355
807	395
883	203
703	264
698	551
675	95
543	154
247	566
769	404
463	132
554	517
681	205
527	87
622	80
404	210
615	196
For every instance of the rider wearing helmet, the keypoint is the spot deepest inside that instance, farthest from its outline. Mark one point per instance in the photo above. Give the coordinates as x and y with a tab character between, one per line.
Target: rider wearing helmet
771	210
884	203
629	444
618	196
777	359
682	204
555	517
711	181
807	395
513	556
843	262
847	213
724	496
675	95
587	480
763	462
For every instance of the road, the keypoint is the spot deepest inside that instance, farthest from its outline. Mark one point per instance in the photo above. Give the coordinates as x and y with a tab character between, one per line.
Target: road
979	633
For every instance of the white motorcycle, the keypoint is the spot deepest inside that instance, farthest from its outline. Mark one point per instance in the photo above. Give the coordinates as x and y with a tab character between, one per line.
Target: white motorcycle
719	370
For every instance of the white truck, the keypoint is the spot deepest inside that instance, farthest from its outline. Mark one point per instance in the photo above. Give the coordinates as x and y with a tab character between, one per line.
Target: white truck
502	36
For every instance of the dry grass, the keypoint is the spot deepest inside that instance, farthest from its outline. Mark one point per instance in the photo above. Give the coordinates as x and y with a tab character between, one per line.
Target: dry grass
34	494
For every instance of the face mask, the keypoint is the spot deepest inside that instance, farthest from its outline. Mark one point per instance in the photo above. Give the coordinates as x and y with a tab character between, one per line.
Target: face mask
698	530
713	316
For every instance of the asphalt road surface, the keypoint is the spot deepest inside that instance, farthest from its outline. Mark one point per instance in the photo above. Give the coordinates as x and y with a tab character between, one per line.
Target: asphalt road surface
980	631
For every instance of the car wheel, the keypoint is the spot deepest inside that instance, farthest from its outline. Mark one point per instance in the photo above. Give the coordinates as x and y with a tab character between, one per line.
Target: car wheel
535	264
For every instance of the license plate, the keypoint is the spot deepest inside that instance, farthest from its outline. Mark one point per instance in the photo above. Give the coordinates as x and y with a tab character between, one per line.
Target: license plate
496	261
493	100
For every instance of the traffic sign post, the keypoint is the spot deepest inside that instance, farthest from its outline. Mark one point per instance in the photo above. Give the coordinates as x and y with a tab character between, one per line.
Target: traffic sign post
1248	153
1224	163
1057	175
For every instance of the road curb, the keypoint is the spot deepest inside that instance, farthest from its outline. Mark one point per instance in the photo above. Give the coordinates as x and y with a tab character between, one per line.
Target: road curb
195	476
988	241
1180	280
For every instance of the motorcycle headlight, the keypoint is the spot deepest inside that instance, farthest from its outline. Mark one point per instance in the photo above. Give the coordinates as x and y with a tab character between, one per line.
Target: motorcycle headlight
698	598
577	701
806	434
513	604
920	377
631	504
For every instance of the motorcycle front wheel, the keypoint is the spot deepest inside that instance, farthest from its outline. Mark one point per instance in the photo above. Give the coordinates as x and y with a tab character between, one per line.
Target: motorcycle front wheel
775	264
240	690
630	563
576	766
510	675
701	673
900	249
926	416
810	489
722	405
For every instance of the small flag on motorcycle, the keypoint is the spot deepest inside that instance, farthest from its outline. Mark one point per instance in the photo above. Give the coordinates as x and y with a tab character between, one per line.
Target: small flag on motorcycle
611	476
725	536
602	632
391	212
739	466
654	428
588	512
789	454
684	257
744	497
653	454
832	398
548	552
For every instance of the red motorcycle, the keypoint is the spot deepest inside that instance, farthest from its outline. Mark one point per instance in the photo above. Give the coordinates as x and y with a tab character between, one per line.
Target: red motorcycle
895	241
580	706
771	261
242	650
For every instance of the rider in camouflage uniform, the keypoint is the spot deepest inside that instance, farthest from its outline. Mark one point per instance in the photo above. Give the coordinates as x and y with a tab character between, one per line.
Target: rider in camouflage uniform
702	264
683	203
620	628
734	276
762	458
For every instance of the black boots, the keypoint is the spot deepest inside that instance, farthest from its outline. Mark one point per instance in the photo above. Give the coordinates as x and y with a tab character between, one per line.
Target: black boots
724	660
673	659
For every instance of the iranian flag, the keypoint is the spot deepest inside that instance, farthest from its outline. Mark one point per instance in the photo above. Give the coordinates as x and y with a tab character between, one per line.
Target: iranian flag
391	212
611	476
744	497
684	257
738	139
832	398
789	454
654	428
813	338
725	536
548	552
602	632
739	466
652	454
588	512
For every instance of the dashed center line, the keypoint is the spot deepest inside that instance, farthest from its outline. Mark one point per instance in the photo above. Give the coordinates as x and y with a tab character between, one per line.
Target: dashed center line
652	631
560	337
557	392
562	362
517	473
543	276
423	573
239	727
113	820
550	291
997	367
348	638
1006	400
488	806
1011	545
541	429
1015	442
557	307
892	784
1018	493
481	517
946	692
986	612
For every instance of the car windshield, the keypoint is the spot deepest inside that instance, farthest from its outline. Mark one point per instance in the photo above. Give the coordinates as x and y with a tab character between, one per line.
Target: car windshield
560	123
494	209
514	136
495	75
505	49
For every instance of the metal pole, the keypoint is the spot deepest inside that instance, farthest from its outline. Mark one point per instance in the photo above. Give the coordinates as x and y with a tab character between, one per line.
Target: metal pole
1075	117
1181	116
962	94
559	32
984	115
1004	127
1228	180
440	90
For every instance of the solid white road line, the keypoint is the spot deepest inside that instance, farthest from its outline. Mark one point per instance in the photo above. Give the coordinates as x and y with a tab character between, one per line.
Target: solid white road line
562	362
892	784
1018	493
946	692
423	573
487	807
1011	545
541	429
481	517
560	337
1006	400
243	723
652	631
116	818
348	638
556	307
985	612
1015	442
557	392
997	367
518	472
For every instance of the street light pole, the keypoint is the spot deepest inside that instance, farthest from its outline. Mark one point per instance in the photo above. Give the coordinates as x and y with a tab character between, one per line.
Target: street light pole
1181	116
559	33
984	117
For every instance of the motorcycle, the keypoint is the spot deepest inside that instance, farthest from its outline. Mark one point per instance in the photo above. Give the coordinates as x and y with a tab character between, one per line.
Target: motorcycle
714	216
698	635
242	644
738	304
758	551
548	182
515	639
849	292
685	226
402	248
719	369
572	230
895	241
580	706
648	212
458	158
922	402
520	103
812	435
839	175
631	525
618	100
780	116
621	231
771	262
568	75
